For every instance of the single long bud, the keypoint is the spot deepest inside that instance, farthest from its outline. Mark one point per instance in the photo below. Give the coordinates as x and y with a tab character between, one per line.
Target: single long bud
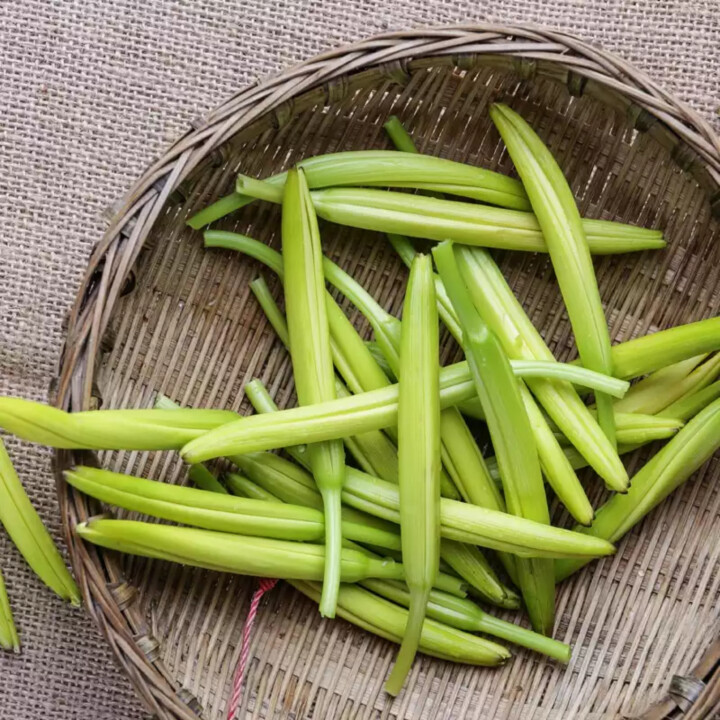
507	417
419	456
569	247
356	414
471	224
476	525
9	639
261	557
222	512
30	536
145	429
389	168
309	335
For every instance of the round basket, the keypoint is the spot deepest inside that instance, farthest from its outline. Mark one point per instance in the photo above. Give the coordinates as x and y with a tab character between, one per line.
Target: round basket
158	313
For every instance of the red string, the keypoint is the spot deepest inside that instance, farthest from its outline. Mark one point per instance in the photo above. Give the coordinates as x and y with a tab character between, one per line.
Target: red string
264	584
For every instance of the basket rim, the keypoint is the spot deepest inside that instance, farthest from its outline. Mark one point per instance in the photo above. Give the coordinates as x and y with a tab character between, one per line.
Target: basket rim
108	598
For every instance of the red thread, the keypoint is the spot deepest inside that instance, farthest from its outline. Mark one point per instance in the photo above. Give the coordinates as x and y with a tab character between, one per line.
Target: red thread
264	584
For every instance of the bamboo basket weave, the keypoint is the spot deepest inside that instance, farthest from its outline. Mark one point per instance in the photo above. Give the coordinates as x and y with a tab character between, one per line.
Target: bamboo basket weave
157	313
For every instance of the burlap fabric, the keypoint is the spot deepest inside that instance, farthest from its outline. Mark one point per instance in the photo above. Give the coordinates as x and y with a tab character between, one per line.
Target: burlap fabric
90	93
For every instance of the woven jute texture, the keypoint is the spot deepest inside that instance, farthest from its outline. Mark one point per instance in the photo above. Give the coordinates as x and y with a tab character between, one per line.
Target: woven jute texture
91	94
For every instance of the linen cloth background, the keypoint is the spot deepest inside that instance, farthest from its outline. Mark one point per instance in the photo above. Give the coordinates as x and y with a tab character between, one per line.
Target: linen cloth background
90	93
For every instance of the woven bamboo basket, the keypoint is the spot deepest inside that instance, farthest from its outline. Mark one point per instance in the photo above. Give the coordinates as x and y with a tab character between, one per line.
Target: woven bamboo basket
157	313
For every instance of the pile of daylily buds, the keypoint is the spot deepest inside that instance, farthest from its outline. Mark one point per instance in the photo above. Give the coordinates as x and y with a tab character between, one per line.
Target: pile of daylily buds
381	506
